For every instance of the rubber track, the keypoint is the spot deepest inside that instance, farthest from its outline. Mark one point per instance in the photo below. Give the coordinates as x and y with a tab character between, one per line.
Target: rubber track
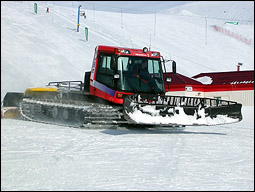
70	113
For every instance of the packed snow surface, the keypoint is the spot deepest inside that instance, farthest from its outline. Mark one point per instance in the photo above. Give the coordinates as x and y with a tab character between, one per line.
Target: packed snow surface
37	156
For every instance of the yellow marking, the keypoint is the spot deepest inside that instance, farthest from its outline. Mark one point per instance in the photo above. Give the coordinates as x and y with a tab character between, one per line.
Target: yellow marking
38	90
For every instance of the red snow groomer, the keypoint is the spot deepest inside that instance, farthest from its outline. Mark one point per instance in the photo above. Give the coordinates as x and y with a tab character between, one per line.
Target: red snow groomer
124	87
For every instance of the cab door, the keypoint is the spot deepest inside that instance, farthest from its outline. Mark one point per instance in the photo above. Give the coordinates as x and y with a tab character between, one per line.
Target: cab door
104	84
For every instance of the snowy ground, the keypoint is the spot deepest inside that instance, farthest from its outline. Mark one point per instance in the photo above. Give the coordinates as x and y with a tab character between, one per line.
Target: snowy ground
37	156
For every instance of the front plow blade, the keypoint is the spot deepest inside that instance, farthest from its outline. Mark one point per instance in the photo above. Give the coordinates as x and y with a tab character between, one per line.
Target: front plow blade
180	110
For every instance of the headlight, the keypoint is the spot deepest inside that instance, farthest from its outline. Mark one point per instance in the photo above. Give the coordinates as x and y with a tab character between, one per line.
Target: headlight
154	54
125	51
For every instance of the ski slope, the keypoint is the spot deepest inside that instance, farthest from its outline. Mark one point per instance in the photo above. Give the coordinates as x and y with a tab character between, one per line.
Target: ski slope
43	47
41	157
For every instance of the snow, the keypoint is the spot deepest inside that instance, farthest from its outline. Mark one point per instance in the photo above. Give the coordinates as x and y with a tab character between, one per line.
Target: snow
241	82
44	47
47	157
178	119
205	80
212	9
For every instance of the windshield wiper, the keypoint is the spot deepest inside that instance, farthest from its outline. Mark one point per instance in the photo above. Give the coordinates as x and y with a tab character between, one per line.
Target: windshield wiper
152	83
131	84
139	77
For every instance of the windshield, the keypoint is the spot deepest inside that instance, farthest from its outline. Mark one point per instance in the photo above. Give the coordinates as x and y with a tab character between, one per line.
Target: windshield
138	74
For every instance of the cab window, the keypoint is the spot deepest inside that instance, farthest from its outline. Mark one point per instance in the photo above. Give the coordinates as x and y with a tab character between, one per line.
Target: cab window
105	70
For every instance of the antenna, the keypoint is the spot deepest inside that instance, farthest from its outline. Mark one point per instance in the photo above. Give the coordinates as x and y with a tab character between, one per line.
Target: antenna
150	43
121	18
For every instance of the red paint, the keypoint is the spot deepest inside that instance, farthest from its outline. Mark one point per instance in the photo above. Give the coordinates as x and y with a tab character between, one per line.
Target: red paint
229	78
221	81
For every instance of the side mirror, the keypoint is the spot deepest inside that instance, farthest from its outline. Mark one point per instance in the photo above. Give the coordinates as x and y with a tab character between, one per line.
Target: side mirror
116	76
174	67
168	79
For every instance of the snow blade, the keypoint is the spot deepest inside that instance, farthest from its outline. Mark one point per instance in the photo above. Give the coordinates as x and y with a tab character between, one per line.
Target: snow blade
12	99
179	110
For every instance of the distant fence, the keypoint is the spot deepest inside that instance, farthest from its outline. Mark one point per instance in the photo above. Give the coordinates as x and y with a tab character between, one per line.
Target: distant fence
232	34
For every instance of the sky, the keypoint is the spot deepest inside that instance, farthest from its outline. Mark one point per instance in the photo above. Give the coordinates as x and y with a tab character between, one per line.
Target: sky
43	47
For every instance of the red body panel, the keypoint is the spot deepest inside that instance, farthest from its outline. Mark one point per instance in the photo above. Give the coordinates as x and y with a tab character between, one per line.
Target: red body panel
133	52
211	88
112	98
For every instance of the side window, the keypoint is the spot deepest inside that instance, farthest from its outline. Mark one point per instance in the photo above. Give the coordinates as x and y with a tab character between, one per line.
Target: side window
105	65
105	71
